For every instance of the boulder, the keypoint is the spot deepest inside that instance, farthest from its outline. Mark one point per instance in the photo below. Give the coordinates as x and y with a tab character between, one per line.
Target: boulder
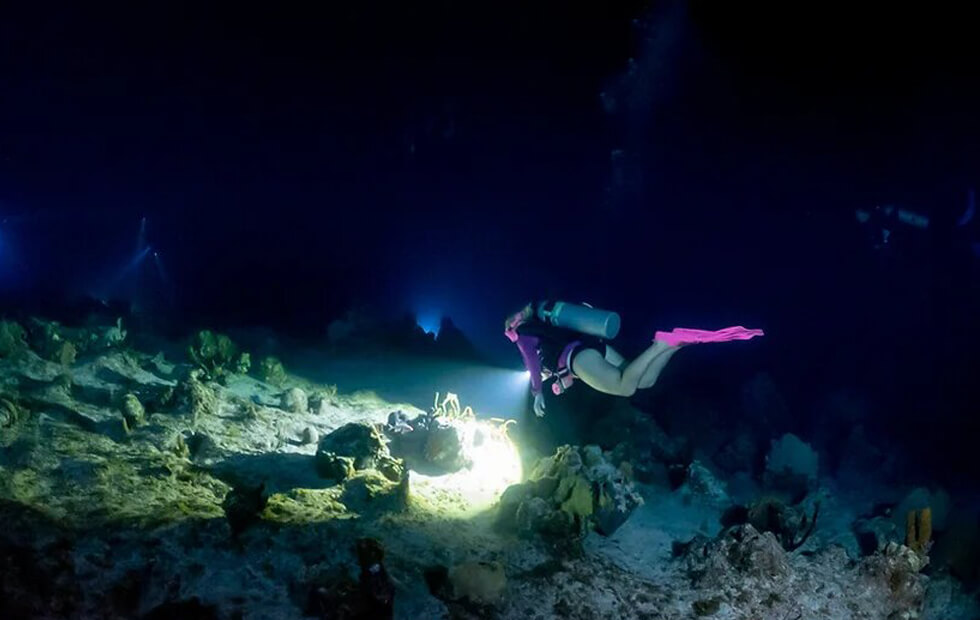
294	400
895	570
704	485
737	553
334	467
370	491
133	412
355	447
480	583
360	441
310	435
319	401
444	449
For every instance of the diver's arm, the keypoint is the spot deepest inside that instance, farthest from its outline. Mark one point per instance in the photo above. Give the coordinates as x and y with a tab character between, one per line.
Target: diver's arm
528	346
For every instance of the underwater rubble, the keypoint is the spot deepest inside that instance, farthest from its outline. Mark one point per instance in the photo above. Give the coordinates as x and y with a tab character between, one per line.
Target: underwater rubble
209	486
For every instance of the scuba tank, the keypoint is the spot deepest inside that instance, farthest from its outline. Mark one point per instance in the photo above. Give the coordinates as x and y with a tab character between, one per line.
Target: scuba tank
580	318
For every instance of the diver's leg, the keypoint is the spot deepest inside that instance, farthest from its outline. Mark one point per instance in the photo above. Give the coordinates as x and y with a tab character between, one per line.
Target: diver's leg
590	366
614	357
652	372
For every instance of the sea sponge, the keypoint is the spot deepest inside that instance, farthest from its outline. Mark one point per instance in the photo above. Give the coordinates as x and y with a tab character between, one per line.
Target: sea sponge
918	530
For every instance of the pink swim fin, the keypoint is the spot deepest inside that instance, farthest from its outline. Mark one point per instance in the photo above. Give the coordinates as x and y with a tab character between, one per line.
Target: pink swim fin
683	335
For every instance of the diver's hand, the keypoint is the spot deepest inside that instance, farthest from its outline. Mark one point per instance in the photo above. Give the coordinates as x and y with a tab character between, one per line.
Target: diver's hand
539	405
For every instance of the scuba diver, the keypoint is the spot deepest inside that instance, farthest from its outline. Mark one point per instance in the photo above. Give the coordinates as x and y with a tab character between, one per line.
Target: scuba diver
882	223
897	231
563	342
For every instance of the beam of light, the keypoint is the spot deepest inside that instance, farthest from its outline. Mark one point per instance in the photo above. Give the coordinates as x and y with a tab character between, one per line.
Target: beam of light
492	392
131	265
161	271
165	281
141	237
135	262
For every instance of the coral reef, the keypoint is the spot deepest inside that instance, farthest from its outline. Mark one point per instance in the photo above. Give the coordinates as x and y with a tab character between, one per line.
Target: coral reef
213	506
65	354
215	354
896	569
10	411
272	371
791	525
61	344
433	442
197	397
752	573
242	364
701	482
12	339
567	494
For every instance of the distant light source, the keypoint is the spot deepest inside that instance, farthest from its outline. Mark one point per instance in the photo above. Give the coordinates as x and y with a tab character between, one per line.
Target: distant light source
429	322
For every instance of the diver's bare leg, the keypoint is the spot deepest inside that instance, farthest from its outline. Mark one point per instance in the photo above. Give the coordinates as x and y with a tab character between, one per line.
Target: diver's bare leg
591	367
652	373
614	357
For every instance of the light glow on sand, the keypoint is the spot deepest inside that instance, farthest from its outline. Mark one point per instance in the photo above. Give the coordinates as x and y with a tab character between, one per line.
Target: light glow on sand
496	466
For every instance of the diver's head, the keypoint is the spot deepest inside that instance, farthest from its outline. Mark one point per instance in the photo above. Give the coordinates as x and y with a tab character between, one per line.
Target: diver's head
516	320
